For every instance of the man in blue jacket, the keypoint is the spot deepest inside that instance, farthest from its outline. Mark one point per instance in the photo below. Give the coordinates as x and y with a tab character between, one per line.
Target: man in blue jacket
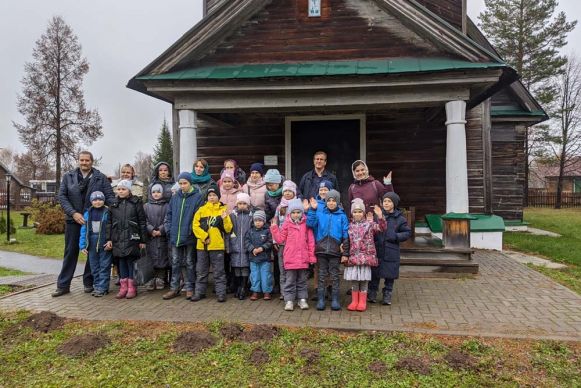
74	197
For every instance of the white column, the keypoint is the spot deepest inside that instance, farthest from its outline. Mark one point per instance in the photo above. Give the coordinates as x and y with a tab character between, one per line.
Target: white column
188	140
456	158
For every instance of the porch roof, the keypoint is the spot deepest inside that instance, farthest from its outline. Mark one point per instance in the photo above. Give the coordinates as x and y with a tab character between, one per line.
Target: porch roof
323	68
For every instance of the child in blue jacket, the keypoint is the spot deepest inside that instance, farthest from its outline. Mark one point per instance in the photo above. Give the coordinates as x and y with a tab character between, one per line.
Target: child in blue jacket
258	242
94	237
331	228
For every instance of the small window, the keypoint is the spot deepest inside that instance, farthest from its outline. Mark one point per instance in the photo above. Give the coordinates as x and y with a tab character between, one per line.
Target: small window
577	185
314	8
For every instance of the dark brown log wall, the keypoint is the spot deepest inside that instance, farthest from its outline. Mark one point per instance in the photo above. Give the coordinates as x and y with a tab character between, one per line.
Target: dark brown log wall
508	165
282	32
449	10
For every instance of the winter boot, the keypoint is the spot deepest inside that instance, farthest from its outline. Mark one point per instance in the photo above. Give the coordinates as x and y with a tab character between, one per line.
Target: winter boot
354	301
315	297
335	303
371	296
386	298
131	289
122	289
362	306
321	299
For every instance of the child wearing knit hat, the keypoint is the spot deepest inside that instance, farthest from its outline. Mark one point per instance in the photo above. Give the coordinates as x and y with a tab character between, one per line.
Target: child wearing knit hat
273	194
157	249
241	218
229	189
299	253
255	186
362	255
258	243
93	240
396	232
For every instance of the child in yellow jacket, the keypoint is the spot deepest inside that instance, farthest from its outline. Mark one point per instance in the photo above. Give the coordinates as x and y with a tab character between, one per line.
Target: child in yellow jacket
210	224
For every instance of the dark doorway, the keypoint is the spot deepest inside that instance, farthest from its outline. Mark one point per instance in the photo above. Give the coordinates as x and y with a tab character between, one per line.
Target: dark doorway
338	138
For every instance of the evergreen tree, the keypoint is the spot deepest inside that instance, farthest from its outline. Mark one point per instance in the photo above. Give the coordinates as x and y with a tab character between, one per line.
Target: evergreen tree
163	151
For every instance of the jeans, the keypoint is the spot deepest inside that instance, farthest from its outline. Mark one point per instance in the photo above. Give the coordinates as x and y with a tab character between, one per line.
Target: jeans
374	284
100	263
296	284
328	266
205	259
71	257
261	277
183	260
126	266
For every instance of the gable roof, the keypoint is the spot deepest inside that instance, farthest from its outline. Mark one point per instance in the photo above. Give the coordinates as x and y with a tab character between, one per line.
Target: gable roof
230	16
7	171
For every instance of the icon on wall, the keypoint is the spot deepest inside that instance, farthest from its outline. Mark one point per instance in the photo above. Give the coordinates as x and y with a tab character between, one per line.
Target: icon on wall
314	8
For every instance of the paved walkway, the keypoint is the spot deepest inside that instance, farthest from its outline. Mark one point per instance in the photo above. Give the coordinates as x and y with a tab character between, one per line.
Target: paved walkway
507	299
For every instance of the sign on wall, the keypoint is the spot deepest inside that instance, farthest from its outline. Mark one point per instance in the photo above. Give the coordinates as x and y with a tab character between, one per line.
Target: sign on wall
314	8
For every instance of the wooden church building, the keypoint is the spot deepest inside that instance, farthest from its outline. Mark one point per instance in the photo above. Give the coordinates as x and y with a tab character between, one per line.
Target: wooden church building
410	86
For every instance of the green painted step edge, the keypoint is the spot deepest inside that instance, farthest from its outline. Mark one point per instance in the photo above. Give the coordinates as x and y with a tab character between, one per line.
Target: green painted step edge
482	223
515	223
322	68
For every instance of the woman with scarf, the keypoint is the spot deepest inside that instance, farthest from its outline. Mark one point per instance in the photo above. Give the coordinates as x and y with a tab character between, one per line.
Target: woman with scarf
366	187
201	178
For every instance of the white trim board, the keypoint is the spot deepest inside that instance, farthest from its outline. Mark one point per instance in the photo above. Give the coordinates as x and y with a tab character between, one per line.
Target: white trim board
288	135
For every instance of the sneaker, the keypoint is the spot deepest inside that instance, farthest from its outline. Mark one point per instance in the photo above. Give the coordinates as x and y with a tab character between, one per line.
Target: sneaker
281	297
151	286
254	296
221	298
189	295
159	283
88	289
99	294
289	306
60	292
303	304
197	297
267	296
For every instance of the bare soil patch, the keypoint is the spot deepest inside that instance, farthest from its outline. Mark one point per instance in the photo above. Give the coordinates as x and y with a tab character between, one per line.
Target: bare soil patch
259	357
44	322
259	333
414	364
377	367
231	331
460	360
193	342
83	345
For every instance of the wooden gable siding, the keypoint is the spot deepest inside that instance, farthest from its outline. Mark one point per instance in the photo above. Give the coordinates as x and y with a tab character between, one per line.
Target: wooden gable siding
354	29
449	10
505	98
210	5
508	166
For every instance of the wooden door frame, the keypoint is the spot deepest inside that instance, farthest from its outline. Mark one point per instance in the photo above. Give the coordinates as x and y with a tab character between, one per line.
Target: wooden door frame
340	117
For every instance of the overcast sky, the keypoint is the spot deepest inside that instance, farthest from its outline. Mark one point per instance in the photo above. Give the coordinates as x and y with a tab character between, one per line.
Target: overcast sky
119	38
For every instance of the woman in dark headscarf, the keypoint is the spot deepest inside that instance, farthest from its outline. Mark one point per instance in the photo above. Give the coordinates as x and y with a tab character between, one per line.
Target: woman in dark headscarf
162	175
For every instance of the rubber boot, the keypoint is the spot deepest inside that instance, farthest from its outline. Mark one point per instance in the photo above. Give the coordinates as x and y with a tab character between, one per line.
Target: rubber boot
131	289
335	303
243	282
122	289
354	301
362	305
321	299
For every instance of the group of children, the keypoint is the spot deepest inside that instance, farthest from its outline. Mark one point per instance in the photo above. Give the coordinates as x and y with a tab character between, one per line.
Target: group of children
240	231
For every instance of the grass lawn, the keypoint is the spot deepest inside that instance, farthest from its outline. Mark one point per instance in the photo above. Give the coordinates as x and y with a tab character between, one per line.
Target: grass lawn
8	272
83	353
30	243
565	249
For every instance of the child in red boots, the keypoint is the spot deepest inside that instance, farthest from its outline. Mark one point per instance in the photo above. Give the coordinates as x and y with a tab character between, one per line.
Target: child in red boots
362	255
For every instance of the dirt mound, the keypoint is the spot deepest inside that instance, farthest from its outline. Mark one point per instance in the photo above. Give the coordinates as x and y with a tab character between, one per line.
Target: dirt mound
310	355
44	321
414	364
460	360
231	331
259	333
259	357
193	342
377	367
82	345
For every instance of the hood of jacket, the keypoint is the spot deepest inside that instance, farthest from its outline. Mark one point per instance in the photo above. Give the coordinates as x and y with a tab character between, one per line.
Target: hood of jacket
154	174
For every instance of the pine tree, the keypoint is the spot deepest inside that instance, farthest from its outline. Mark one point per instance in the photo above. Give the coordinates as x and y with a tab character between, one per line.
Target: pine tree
163	151
528	37
57	122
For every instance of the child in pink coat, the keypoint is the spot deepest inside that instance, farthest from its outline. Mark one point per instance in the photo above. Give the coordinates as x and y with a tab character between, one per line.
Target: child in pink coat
299	252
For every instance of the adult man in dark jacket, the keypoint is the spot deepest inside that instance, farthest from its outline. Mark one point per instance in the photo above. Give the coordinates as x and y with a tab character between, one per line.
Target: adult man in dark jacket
74	197
309	184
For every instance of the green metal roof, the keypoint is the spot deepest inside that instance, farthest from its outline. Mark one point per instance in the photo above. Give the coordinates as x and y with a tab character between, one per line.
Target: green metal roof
501	111
322	68
478	222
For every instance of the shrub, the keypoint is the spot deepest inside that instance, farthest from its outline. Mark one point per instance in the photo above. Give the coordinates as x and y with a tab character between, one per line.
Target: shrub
48	216
3	224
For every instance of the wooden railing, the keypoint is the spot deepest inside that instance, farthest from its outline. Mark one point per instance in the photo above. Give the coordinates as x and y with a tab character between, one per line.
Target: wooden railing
542	198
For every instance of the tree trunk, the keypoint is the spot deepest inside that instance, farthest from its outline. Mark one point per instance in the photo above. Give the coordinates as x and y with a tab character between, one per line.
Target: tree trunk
58	125
526	186
560	180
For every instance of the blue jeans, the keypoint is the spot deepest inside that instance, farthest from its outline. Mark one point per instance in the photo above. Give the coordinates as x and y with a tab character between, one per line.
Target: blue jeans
100	262
127	266
182	259
261	277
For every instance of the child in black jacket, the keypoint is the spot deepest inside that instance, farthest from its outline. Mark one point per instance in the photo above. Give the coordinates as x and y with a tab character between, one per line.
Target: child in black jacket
259	245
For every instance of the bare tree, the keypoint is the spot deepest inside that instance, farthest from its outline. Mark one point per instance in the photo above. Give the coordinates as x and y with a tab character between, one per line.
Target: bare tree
29	167
7	157
143	166
57	122
563	136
